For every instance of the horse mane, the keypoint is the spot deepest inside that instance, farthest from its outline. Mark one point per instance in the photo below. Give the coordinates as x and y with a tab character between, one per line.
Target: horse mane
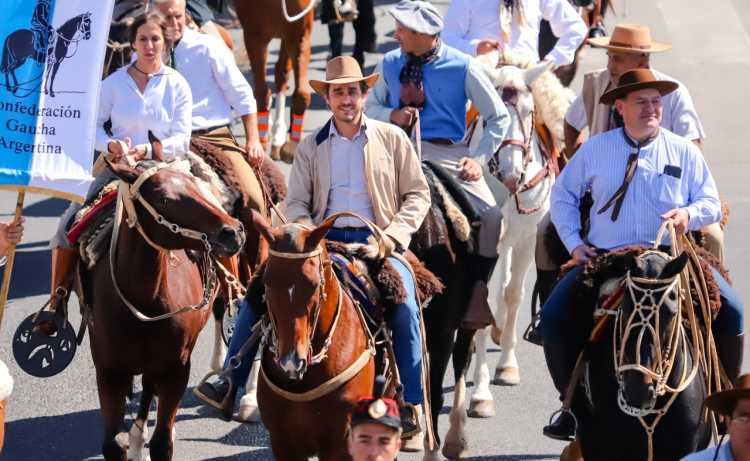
70	22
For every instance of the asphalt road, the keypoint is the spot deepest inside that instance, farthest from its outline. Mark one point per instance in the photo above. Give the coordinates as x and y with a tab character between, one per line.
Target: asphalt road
58	418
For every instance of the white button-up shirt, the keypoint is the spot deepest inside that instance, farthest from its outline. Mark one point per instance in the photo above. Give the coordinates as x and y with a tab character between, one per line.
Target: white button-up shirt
216	82
467	22
679	115
348	182
164	108
600	165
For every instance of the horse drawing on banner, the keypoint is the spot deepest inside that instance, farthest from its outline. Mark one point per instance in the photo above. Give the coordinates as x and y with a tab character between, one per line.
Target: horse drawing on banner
44	45
525	163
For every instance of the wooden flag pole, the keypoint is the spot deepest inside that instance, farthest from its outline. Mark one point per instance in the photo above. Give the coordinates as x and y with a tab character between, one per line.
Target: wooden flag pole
11	256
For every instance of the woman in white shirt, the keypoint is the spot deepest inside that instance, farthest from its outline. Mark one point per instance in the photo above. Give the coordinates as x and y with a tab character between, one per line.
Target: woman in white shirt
145	95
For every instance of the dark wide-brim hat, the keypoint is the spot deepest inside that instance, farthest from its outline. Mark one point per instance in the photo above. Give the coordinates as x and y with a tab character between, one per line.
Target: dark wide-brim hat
634	80
340	70
724	402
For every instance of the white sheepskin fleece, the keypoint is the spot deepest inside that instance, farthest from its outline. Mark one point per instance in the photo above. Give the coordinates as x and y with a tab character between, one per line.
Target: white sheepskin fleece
6	381
200	169
551	98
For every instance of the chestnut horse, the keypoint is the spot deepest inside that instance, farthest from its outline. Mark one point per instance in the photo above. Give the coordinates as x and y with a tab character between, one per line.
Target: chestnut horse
159	269
315	335
262	21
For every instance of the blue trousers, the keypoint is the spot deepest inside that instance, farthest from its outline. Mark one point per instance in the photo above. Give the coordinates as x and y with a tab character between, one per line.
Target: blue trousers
729	322
404	325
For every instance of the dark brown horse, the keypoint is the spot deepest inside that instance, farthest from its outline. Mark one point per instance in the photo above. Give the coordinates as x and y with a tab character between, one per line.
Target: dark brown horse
308	308
160	267
262	21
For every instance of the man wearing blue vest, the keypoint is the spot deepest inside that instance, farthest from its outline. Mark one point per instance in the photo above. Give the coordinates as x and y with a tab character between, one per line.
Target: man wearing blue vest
429	78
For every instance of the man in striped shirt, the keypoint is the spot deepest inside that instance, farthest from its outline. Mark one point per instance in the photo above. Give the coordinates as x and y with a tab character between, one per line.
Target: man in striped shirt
667	178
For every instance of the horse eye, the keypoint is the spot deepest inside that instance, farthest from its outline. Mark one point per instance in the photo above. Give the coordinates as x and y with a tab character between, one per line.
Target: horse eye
672	295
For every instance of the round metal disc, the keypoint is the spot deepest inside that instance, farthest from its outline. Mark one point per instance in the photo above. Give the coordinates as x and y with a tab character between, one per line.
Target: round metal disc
40	354
227	323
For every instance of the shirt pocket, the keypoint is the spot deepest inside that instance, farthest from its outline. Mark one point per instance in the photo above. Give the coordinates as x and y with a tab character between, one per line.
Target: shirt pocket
665	189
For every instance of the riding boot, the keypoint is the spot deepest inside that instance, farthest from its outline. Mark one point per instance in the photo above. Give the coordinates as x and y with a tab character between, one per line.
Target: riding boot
561	371
64	262
544	281
219	395
478	313
730	349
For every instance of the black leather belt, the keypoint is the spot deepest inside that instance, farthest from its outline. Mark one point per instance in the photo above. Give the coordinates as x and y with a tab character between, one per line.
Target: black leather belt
441	141
353	229
208	130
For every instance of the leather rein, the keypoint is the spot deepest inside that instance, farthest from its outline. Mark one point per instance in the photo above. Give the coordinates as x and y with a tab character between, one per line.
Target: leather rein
127	194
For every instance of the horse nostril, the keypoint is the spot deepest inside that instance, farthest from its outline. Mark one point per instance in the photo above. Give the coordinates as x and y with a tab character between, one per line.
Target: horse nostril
227	235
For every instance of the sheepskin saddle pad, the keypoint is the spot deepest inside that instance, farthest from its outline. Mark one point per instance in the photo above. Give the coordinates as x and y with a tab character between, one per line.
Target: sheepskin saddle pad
372	282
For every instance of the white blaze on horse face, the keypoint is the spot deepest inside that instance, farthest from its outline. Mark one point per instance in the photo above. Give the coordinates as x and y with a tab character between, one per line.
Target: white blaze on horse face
291	293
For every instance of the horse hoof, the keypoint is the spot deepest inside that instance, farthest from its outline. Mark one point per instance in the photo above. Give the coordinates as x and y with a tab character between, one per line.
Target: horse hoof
572	452
275	152
287	151
495	335
481	409
413	444
249	411
456	450
507	376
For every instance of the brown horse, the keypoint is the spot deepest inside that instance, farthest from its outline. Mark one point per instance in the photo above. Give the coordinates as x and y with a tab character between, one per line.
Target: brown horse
308	309
262	21
162	266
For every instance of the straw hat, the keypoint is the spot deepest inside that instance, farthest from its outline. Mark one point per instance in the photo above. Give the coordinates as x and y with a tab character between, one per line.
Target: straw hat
723	402
634	80
630	38
343	69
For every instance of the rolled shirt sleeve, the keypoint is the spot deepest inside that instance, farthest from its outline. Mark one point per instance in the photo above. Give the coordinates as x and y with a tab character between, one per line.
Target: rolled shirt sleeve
576	115
568	26
705	206
480	91
457	26
377	104
565	199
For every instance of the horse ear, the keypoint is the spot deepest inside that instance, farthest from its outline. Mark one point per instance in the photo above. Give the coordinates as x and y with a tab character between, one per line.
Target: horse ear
675	266
157	150
320	232
126	173
533	73
262	226
631	261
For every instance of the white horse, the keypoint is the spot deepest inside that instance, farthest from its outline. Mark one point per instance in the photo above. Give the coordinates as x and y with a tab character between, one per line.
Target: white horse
528	174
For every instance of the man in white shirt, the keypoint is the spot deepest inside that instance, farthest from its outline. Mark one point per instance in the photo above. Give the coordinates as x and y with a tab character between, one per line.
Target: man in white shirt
479	26
217	86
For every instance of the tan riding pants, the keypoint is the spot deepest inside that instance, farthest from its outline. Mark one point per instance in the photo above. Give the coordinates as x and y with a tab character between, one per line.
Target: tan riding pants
479	192
242	169
714	244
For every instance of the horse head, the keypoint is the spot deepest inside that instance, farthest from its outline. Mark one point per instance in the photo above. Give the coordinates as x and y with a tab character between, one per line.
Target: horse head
175	212
85	27
648	327
296	278
518	157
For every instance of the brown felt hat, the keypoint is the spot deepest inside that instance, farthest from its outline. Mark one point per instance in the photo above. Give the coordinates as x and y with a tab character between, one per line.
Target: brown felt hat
630	38
343	69
723	402
634	80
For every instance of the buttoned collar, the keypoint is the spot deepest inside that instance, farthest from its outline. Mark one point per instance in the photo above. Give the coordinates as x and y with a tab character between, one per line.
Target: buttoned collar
362	128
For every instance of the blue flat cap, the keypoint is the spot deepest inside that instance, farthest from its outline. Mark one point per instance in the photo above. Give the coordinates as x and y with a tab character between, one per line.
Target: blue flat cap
418	16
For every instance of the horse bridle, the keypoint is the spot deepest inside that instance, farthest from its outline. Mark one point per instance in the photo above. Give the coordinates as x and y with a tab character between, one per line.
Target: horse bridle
126	195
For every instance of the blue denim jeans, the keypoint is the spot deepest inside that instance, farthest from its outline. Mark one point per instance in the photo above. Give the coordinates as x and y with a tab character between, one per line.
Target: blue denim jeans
404	325
729	322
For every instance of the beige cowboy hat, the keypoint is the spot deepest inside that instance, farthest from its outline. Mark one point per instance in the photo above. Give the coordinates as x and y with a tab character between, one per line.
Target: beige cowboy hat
630	38
634	80
723	402
343	69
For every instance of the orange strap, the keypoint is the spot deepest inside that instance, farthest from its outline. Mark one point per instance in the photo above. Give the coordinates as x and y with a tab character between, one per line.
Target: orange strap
472	114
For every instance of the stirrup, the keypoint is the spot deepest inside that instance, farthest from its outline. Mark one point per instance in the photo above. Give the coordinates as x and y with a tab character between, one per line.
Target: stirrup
575	420
533	325
218	405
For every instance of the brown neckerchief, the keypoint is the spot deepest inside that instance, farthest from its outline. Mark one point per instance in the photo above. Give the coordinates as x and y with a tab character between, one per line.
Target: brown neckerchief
619	196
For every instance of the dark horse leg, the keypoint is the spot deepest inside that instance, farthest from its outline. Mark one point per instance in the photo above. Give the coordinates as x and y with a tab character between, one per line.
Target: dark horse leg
298	49
170	386
113	388
51	80
456	440
139	432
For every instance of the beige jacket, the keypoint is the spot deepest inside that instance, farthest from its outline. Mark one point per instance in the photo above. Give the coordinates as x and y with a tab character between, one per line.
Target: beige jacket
595	83
395	183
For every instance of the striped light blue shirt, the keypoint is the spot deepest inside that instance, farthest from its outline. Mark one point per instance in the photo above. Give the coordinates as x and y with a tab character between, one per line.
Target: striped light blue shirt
600	165
725	454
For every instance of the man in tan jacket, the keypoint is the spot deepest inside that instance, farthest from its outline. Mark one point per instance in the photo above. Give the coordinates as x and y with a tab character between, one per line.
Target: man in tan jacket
360	165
